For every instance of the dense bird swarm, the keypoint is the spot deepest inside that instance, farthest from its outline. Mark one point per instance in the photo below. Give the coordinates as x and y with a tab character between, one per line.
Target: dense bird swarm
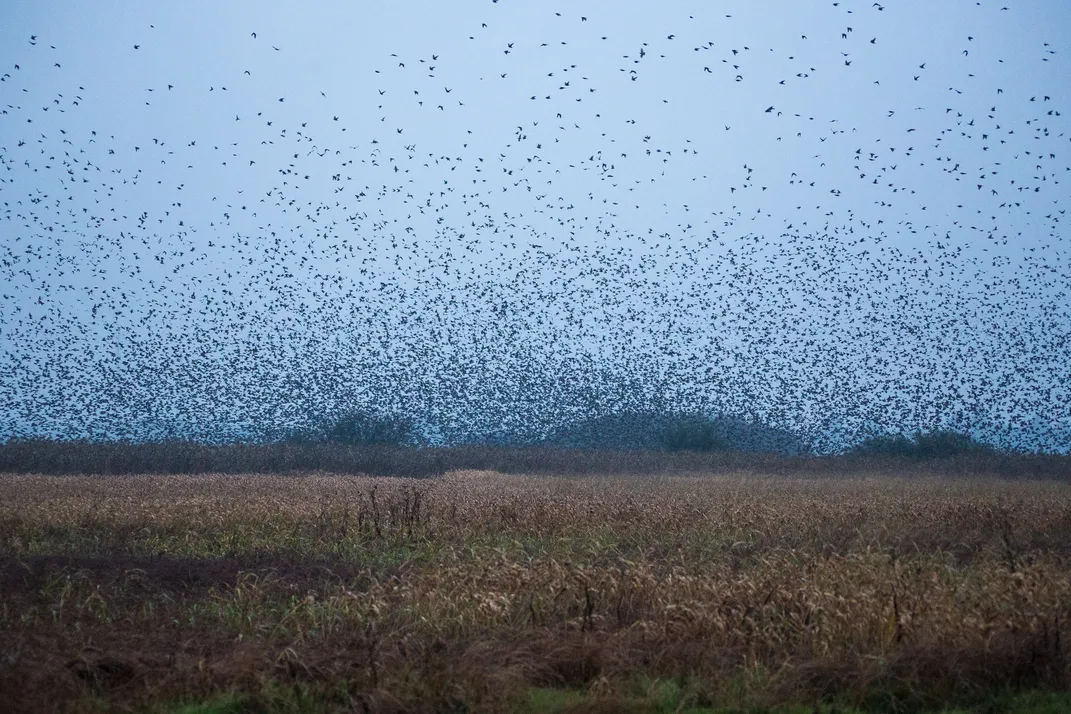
484	592
501	232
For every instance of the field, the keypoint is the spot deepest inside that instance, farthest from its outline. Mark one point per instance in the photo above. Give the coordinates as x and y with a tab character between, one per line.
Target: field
483	591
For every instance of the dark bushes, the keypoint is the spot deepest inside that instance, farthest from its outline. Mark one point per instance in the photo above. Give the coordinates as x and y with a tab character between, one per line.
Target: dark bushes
118	458
940	444
694	435
355	428
675	432
179	457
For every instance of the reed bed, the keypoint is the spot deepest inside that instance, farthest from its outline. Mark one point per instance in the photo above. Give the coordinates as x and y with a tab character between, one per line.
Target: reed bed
479	591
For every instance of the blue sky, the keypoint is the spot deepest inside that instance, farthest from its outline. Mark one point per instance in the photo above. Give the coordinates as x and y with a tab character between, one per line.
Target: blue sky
468	211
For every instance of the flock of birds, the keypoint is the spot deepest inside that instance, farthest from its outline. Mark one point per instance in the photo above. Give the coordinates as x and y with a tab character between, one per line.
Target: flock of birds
544	232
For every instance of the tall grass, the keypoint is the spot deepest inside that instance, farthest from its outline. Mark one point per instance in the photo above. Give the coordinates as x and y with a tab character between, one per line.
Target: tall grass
480	591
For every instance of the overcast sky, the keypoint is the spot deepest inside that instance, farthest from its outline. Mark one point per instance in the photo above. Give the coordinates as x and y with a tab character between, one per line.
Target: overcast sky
831	215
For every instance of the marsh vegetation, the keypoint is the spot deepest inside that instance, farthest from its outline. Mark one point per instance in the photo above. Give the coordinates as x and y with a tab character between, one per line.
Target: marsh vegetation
484	591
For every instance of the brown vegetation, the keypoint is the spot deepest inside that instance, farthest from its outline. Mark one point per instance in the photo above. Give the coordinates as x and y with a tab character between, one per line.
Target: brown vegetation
466	592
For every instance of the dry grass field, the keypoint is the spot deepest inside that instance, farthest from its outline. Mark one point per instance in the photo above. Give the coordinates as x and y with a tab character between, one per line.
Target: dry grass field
480	591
